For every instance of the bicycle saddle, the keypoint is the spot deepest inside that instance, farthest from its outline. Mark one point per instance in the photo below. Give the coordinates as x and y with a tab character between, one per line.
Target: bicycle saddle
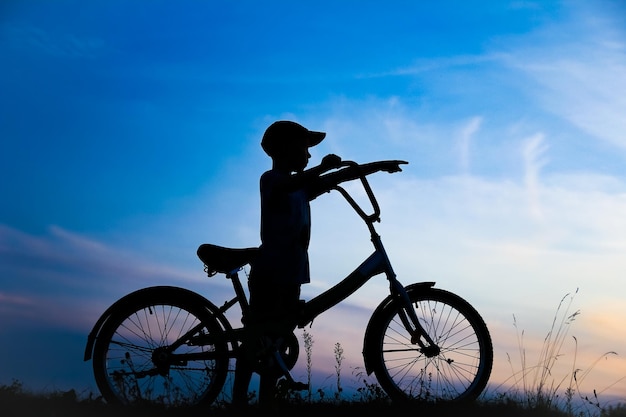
224	260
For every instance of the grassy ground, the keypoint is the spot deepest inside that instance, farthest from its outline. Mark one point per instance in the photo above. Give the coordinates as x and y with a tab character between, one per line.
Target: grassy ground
59	406
16	402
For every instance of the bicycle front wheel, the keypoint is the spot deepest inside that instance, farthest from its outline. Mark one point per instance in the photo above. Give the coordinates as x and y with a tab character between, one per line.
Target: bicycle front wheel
462	364
149	352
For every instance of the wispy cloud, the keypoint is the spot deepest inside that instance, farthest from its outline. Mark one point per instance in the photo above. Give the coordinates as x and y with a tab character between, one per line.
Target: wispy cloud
62	268
13	305
465	142
424	65
575	70
28	38
533	153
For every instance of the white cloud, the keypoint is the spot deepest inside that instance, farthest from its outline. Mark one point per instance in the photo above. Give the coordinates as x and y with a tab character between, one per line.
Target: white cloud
575	70
465	142
533	150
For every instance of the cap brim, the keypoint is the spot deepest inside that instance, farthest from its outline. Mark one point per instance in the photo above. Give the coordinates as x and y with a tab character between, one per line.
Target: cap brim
315	137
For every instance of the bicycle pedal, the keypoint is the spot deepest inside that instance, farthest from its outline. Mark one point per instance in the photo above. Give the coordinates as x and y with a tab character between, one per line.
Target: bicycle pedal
299	386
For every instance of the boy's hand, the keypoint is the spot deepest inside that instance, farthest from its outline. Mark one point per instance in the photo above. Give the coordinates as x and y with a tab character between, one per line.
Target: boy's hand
331	161
391	166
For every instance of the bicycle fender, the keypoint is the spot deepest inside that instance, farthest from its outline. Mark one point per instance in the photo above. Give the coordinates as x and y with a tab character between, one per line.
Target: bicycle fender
129	299
369	350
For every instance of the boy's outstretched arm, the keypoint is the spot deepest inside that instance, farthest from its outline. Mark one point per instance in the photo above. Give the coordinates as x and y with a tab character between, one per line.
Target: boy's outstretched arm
332	179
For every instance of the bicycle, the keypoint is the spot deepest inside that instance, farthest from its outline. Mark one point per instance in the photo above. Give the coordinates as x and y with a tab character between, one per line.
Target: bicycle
171	346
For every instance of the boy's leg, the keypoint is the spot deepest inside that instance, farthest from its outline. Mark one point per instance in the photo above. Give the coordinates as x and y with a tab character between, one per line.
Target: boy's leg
243	374
274	308
241	384
267	389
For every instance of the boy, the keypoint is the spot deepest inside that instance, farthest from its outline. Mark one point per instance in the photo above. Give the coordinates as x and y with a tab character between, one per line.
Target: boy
282	265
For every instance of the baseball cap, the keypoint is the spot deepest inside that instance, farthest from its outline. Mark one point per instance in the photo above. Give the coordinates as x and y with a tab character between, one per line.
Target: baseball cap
283	131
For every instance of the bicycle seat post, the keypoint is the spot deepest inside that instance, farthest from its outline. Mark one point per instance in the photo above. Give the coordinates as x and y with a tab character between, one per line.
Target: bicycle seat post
241	294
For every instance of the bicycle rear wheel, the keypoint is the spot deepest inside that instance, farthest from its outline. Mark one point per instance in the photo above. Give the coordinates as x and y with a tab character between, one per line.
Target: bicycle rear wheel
134	362
461	368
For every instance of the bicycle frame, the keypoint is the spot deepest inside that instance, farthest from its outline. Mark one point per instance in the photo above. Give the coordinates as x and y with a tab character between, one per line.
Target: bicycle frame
398	347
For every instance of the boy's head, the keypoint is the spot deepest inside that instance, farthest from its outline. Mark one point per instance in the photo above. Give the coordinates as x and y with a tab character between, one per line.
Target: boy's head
282	136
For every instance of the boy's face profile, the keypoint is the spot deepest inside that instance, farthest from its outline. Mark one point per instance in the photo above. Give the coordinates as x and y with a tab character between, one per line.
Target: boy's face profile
293	155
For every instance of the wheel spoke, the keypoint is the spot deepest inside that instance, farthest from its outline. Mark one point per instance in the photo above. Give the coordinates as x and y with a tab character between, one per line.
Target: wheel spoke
133	362
462	365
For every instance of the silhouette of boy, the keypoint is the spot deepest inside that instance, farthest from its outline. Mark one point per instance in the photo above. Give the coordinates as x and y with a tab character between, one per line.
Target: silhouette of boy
282	264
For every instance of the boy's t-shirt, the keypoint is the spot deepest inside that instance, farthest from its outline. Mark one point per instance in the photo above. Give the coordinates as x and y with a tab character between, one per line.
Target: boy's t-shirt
285	233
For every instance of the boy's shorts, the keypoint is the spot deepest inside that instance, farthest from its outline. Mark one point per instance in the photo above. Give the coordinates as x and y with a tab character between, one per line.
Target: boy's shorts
274	303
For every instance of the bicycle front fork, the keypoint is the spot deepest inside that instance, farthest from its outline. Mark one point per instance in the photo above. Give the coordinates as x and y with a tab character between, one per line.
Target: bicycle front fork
411	323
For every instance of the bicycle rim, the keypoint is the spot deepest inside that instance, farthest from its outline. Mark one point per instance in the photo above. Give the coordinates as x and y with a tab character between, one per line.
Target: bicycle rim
132	364
459	371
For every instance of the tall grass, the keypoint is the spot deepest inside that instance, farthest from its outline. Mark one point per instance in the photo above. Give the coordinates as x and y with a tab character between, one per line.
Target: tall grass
536	385
308	348
338	360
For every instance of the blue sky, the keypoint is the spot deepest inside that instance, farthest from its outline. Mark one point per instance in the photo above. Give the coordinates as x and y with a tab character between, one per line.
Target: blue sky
129	134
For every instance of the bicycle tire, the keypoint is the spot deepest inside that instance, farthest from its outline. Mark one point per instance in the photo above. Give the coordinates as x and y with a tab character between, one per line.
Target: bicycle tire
459	372
131	343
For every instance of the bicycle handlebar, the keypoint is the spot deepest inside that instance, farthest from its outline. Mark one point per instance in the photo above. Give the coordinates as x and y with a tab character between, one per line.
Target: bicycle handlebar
368	218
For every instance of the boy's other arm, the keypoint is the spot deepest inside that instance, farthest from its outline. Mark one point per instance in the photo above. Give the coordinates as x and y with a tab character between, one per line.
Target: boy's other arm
311	177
